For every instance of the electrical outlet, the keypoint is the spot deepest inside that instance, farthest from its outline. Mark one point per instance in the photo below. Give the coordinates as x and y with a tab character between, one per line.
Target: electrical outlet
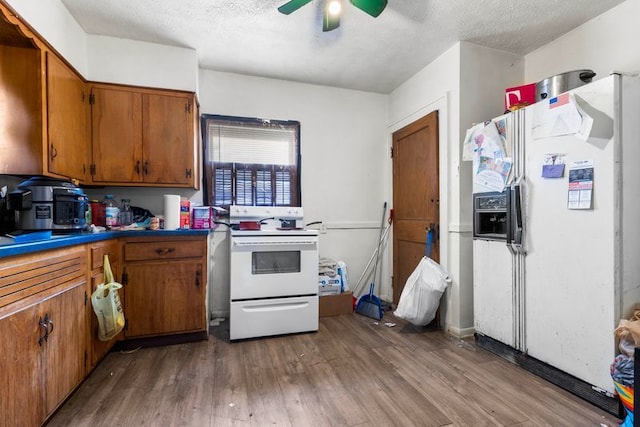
323	228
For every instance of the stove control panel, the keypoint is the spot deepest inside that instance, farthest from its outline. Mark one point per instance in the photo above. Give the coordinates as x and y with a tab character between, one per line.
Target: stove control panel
254	213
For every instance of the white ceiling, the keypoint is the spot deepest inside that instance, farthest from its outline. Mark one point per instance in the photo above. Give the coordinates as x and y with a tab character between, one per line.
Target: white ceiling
371	54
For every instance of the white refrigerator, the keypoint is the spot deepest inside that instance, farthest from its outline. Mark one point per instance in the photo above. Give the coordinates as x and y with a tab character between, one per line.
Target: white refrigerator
562	265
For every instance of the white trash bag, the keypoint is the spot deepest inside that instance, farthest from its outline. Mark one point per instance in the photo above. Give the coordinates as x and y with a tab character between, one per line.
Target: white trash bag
421	294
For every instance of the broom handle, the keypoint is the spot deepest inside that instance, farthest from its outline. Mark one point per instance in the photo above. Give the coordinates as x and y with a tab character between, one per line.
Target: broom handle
375	269
356	288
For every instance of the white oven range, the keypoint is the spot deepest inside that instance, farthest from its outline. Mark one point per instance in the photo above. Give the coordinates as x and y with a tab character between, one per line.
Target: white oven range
273	276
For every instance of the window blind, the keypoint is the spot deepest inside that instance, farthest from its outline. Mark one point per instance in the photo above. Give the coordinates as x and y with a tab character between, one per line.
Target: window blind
251	162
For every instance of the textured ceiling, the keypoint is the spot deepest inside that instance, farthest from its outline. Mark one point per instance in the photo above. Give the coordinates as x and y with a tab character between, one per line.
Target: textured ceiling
372	54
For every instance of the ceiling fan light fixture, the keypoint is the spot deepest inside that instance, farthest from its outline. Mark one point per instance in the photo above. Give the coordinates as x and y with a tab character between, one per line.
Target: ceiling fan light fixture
335	7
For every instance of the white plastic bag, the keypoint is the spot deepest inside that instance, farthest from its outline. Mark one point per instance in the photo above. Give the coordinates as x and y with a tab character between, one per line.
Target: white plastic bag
106	304
421	294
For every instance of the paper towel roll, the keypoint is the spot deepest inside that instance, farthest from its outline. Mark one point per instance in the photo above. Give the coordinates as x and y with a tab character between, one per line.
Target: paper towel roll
171	212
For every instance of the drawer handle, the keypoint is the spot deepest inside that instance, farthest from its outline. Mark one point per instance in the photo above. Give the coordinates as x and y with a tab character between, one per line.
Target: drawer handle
165	251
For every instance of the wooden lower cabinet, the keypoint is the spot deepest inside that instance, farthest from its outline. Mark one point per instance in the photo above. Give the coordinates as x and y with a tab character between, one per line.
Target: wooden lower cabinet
164	286
21	369
43	334
97	349
49	333
64	350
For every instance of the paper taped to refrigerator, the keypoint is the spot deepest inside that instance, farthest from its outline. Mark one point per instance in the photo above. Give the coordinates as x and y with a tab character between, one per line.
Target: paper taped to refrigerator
556	117
580	185
492	173
553	166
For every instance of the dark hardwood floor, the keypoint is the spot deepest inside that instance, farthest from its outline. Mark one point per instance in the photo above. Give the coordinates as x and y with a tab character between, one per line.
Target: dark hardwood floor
351	372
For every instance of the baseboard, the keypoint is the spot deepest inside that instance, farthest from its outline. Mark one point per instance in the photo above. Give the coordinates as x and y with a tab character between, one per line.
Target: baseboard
554	375
131	344
459	332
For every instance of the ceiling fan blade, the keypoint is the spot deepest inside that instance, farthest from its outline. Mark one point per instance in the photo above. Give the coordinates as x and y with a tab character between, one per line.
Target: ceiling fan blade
329	20
372	7
292	6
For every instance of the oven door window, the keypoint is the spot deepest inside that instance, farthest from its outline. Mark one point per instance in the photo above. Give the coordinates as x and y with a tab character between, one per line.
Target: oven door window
276	262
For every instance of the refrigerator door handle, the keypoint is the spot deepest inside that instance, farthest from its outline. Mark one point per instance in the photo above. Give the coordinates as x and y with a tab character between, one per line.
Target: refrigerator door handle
517	226
510	227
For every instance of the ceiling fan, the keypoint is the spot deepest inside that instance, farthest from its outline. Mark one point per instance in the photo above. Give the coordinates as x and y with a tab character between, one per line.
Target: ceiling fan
331	17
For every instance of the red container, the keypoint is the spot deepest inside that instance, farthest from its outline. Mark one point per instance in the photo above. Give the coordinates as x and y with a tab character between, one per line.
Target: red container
249	225
98	215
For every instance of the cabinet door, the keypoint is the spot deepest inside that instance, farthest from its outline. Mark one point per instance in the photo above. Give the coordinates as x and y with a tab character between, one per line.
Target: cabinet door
97	349
168	139
164	298
116	140
21	401
67	114
65	348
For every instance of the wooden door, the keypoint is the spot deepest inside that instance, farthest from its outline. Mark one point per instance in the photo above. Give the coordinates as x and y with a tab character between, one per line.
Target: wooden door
415	196
168	139
65	347
164	298
116	139
21	401
67	113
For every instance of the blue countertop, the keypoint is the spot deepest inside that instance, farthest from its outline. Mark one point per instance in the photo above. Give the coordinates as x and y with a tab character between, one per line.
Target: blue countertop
8	247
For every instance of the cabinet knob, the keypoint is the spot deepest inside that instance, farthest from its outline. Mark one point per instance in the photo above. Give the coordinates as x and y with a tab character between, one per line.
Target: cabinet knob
54	152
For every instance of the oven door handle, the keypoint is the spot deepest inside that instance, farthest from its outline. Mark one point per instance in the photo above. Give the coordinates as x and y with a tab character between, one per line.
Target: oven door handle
272	243
279	306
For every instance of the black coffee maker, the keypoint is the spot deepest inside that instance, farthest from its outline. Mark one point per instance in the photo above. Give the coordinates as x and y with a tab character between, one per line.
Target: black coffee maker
7	216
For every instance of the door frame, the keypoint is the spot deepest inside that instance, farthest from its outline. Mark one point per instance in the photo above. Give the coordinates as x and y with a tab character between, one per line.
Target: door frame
445	150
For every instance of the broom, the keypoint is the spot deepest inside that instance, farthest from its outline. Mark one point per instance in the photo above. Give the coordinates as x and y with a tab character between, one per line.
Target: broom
370	305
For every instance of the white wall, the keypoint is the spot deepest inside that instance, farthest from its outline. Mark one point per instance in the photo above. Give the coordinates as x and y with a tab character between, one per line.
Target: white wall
55	24
344	160
606	43
114	60
110	59
437	87
465	84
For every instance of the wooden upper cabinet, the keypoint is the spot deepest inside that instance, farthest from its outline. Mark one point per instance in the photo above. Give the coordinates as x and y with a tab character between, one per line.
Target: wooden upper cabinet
21	98
116	135
43	118
67	111
168	150
143	137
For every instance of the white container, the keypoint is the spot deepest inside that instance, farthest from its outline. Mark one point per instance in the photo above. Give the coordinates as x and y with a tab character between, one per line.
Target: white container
171	211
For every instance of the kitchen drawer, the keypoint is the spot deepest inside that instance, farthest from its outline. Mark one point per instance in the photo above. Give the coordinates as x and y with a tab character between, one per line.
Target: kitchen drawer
171	249
99	250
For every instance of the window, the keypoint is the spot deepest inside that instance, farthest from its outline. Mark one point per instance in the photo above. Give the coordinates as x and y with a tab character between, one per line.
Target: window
251	162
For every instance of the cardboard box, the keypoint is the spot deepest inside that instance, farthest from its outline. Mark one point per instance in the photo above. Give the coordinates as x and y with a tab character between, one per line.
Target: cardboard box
202	217
520	95
336	305
329	285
